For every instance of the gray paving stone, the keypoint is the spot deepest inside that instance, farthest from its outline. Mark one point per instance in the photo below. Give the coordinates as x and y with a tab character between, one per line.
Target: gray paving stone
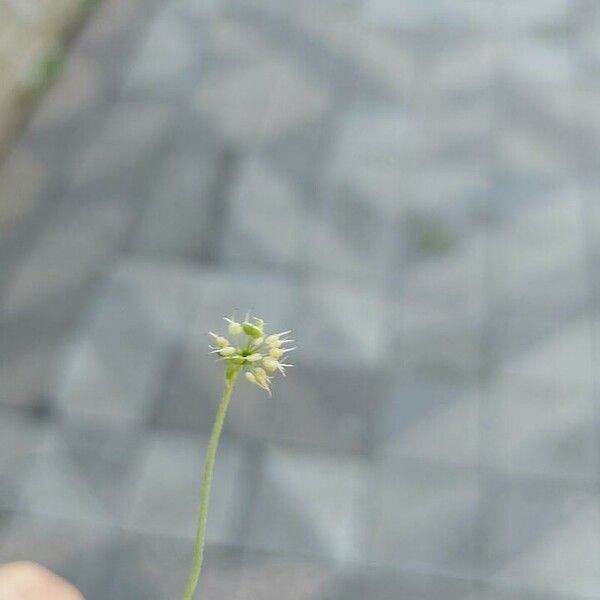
506	593
419	586
309	505
272	576
445	267
151	567
166	489
428	339
267	221
538	60
537	259
524	132
300	158
274	88
20	440
112	370
370	147
180	228
436	420
326	408
548	352
45	292
351	583
448	14
124	150
349	239
81	552
68	111
540	430
27	367
74	246
538	536
80	473
242	290
167	57
20	196
233	40
112	21
342	322
535	15
426	519
345	53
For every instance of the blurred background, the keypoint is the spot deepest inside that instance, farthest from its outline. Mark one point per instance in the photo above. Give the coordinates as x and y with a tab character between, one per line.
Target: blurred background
408	184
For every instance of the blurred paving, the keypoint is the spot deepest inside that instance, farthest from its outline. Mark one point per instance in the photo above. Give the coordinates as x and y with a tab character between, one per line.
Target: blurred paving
410	186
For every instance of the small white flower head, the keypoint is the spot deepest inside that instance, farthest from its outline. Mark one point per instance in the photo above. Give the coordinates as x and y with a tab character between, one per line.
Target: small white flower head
252	351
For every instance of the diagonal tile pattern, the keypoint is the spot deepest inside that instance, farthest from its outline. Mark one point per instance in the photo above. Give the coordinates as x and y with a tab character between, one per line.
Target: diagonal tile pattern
411	185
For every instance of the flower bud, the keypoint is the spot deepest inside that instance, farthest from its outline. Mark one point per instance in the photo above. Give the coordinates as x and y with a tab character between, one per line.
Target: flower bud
270	364
276	353
220	341
273	341
252	330
234	328
254	357
227	351
250	377
261	376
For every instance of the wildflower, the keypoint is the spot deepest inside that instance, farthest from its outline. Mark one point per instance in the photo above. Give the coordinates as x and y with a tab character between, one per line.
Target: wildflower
256	354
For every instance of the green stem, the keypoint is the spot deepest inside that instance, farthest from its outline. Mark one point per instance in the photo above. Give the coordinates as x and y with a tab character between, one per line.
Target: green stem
213	444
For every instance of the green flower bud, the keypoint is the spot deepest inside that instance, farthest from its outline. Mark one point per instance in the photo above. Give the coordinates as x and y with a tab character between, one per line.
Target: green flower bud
252	330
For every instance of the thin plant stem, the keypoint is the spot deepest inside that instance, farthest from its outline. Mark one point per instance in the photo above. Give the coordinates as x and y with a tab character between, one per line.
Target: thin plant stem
209	464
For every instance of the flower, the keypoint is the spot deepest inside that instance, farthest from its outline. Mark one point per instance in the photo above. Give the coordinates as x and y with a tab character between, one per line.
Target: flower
258	355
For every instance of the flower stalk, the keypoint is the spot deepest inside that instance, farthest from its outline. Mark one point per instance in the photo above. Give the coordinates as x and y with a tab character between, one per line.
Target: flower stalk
209	464
255	355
